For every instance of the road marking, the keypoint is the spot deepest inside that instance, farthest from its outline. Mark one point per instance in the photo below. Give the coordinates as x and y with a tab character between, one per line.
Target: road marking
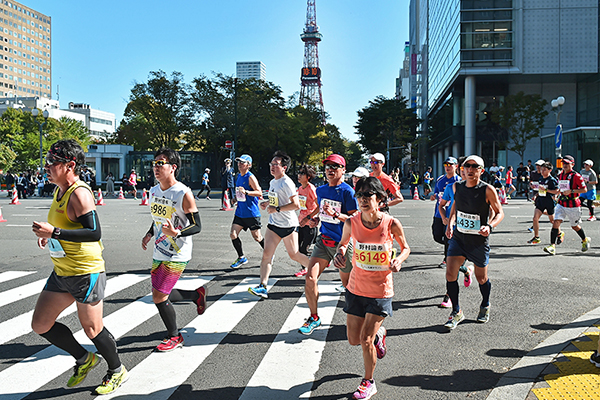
26	215
521	216
201	336
18	225
21	292
10	275
277	376
32	373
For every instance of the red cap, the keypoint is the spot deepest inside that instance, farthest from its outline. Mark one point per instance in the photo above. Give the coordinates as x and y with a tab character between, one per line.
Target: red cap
335	158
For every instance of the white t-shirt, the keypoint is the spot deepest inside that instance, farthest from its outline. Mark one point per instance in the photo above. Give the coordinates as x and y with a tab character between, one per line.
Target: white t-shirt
280	191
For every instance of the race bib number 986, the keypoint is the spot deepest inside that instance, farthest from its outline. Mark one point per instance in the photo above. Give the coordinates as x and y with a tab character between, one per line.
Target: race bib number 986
161	209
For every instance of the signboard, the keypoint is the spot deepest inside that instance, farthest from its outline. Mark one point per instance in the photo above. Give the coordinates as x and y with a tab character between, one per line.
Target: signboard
558	136
228	144
310	73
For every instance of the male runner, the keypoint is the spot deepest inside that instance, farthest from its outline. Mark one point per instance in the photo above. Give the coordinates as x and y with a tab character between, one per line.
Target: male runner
391	188
336	204
591	179
547	187
469	239
570	185
247	214
438	229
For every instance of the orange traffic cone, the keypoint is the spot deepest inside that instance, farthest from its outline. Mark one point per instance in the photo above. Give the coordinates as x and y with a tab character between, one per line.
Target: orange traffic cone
226	203
416	194
1	217
502	196
121	195
100	201
144	199
15	198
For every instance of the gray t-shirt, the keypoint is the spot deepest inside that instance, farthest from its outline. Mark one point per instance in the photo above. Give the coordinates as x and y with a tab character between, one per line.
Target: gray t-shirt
589	176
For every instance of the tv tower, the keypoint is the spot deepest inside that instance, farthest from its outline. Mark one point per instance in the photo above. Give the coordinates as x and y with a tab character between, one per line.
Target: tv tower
310	79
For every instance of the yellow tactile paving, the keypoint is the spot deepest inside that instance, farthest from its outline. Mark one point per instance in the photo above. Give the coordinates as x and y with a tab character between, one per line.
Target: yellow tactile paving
578	378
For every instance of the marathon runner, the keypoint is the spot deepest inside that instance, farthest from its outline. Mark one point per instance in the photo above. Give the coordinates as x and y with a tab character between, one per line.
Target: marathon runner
469	238
591	180
72	235
175	219
391	188
544	202
307	197
438	228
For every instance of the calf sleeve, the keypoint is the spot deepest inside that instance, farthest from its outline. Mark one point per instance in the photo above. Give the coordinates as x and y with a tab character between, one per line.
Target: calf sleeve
237	245
485	293
452	290
62	337
167	313
107	347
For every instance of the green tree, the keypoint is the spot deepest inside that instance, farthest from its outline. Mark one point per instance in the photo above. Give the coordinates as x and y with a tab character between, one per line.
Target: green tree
522	116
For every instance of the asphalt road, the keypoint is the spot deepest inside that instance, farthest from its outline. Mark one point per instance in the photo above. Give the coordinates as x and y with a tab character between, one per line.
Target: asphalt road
533	295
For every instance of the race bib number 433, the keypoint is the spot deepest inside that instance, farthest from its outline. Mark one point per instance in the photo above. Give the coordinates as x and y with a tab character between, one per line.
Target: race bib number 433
468	223
161	209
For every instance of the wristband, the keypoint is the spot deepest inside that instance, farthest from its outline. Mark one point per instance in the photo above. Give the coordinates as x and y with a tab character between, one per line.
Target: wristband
56	233
491	227
336	215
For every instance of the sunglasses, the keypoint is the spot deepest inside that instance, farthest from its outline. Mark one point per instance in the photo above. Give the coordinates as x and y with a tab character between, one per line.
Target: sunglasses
332	166
159	163
449	165
358	195
376	162
52	160
475	166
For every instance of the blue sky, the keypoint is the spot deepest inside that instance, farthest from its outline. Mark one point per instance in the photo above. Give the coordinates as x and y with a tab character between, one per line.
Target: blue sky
101	48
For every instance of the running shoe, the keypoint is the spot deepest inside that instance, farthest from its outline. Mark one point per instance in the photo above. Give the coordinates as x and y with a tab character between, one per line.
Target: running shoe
301	273
239	262
484	314
592	218
455	319
585	244
365	390
340	288
595	359
469	276
379	343
446	303
170	344
442	264
112	380
530	229
309	326
560	238
260	291
207	198
201	302
535	240
550	249
81	371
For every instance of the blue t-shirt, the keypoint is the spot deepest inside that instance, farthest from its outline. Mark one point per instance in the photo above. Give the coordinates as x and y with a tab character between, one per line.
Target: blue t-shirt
449	197
205	178
248	208
343	196
440	185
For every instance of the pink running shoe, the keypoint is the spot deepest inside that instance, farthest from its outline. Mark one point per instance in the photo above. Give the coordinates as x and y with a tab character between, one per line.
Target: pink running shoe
380	342
201	302
301	273
170	344
446	303
469	276
365	390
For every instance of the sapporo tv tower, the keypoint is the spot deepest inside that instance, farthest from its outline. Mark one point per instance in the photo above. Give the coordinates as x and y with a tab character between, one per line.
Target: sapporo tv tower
310	79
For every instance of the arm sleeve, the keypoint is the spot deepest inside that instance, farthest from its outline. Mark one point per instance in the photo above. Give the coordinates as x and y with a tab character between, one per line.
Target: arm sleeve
151	230
90	232
194	227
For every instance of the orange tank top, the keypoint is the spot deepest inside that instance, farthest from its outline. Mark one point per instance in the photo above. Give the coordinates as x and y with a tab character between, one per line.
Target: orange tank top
371	275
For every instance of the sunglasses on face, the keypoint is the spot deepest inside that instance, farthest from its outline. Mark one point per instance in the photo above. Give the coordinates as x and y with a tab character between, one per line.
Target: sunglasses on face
376	162
159	163
52	160
448	165
333	166
358	195
475	166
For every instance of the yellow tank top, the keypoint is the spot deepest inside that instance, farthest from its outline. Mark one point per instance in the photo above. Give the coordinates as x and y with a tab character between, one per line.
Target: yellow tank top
72	258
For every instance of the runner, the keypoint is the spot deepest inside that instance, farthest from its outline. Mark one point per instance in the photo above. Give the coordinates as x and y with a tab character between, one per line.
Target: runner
175	220
427	178
247	214
510	177
391	188
469	239
72	234
307	197
570	185
205	185
591	180
370	288
534	178
547	188
133	183
336	204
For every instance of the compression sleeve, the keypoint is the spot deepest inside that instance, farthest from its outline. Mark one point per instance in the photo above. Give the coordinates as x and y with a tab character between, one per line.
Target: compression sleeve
194	227
90	232
151	230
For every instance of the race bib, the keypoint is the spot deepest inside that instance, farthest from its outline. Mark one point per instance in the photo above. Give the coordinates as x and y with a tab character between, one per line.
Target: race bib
239	195
161	209
337	207
542	190
302	201
273	199
586	178
371	256
56	250
468	223
535	185
564	184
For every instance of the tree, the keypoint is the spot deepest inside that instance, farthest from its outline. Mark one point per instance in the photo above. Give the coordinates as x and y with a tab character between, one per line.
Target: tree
522	116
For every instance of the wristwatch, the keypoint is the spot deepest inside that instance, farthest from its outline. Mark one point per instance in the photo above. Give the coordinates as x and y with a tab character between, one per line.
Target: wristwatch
491	227
278	209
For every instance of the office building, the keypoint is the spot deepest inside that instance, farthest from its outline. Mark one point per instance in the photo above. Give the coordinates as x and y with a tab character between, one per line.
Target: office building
250	69
100	123
467	55
25	51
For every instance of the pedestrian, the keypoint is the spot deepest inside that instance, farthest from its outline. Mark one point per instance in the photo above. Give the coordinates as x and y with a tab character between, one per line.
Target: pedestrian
247	213
307	197
591	180
10	182
227	182
110	184
510	177
427	178
547	188
72	235
283	221
414	182
133	183
370	290
570	185
175	219
391	188
469	239
205	185
22	186
336	204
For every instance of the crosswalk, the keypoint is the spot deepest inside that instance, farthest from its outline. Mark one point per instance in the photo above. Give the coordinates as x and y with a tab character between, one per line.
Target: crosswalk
276	373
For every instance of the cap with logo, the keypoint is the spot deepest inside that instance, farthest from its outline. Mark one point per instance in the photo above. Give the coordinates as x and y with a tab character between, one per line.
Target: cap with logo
244	158
336	159
451	160
568	160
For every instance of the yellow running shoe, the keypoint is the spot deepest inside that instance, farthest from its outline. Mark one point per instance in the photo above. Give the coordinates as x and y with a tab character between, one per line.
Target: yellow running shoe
81	371
112	380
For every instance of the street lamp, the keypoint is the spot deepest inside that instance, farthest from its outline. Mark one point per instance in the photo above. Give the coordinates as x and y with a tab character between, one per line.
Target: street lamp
557	105
35	112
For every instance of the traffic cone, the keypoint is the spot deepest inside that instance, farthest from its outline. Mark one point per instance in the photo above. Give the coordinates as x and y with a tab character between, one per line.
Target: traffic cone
15	198
226	203
121	195
1	217
503	199
100	201
144	199
416	194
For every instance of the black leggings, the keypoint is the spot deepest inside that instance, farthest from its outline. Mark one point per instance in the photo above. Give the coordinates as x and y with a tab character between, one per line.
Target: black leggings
207	187
306	237
438	229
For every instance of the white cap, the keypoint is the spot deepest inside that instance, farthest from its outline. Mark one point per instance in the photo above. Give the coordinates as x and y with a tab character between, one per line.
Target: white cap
540	162
478	160
589	162
361	172
378	157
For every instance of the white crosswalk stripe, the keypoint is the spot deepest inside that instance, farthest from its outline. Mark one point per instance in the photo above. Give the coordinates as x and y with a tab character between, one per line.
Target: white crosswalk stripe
21	292
10	275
